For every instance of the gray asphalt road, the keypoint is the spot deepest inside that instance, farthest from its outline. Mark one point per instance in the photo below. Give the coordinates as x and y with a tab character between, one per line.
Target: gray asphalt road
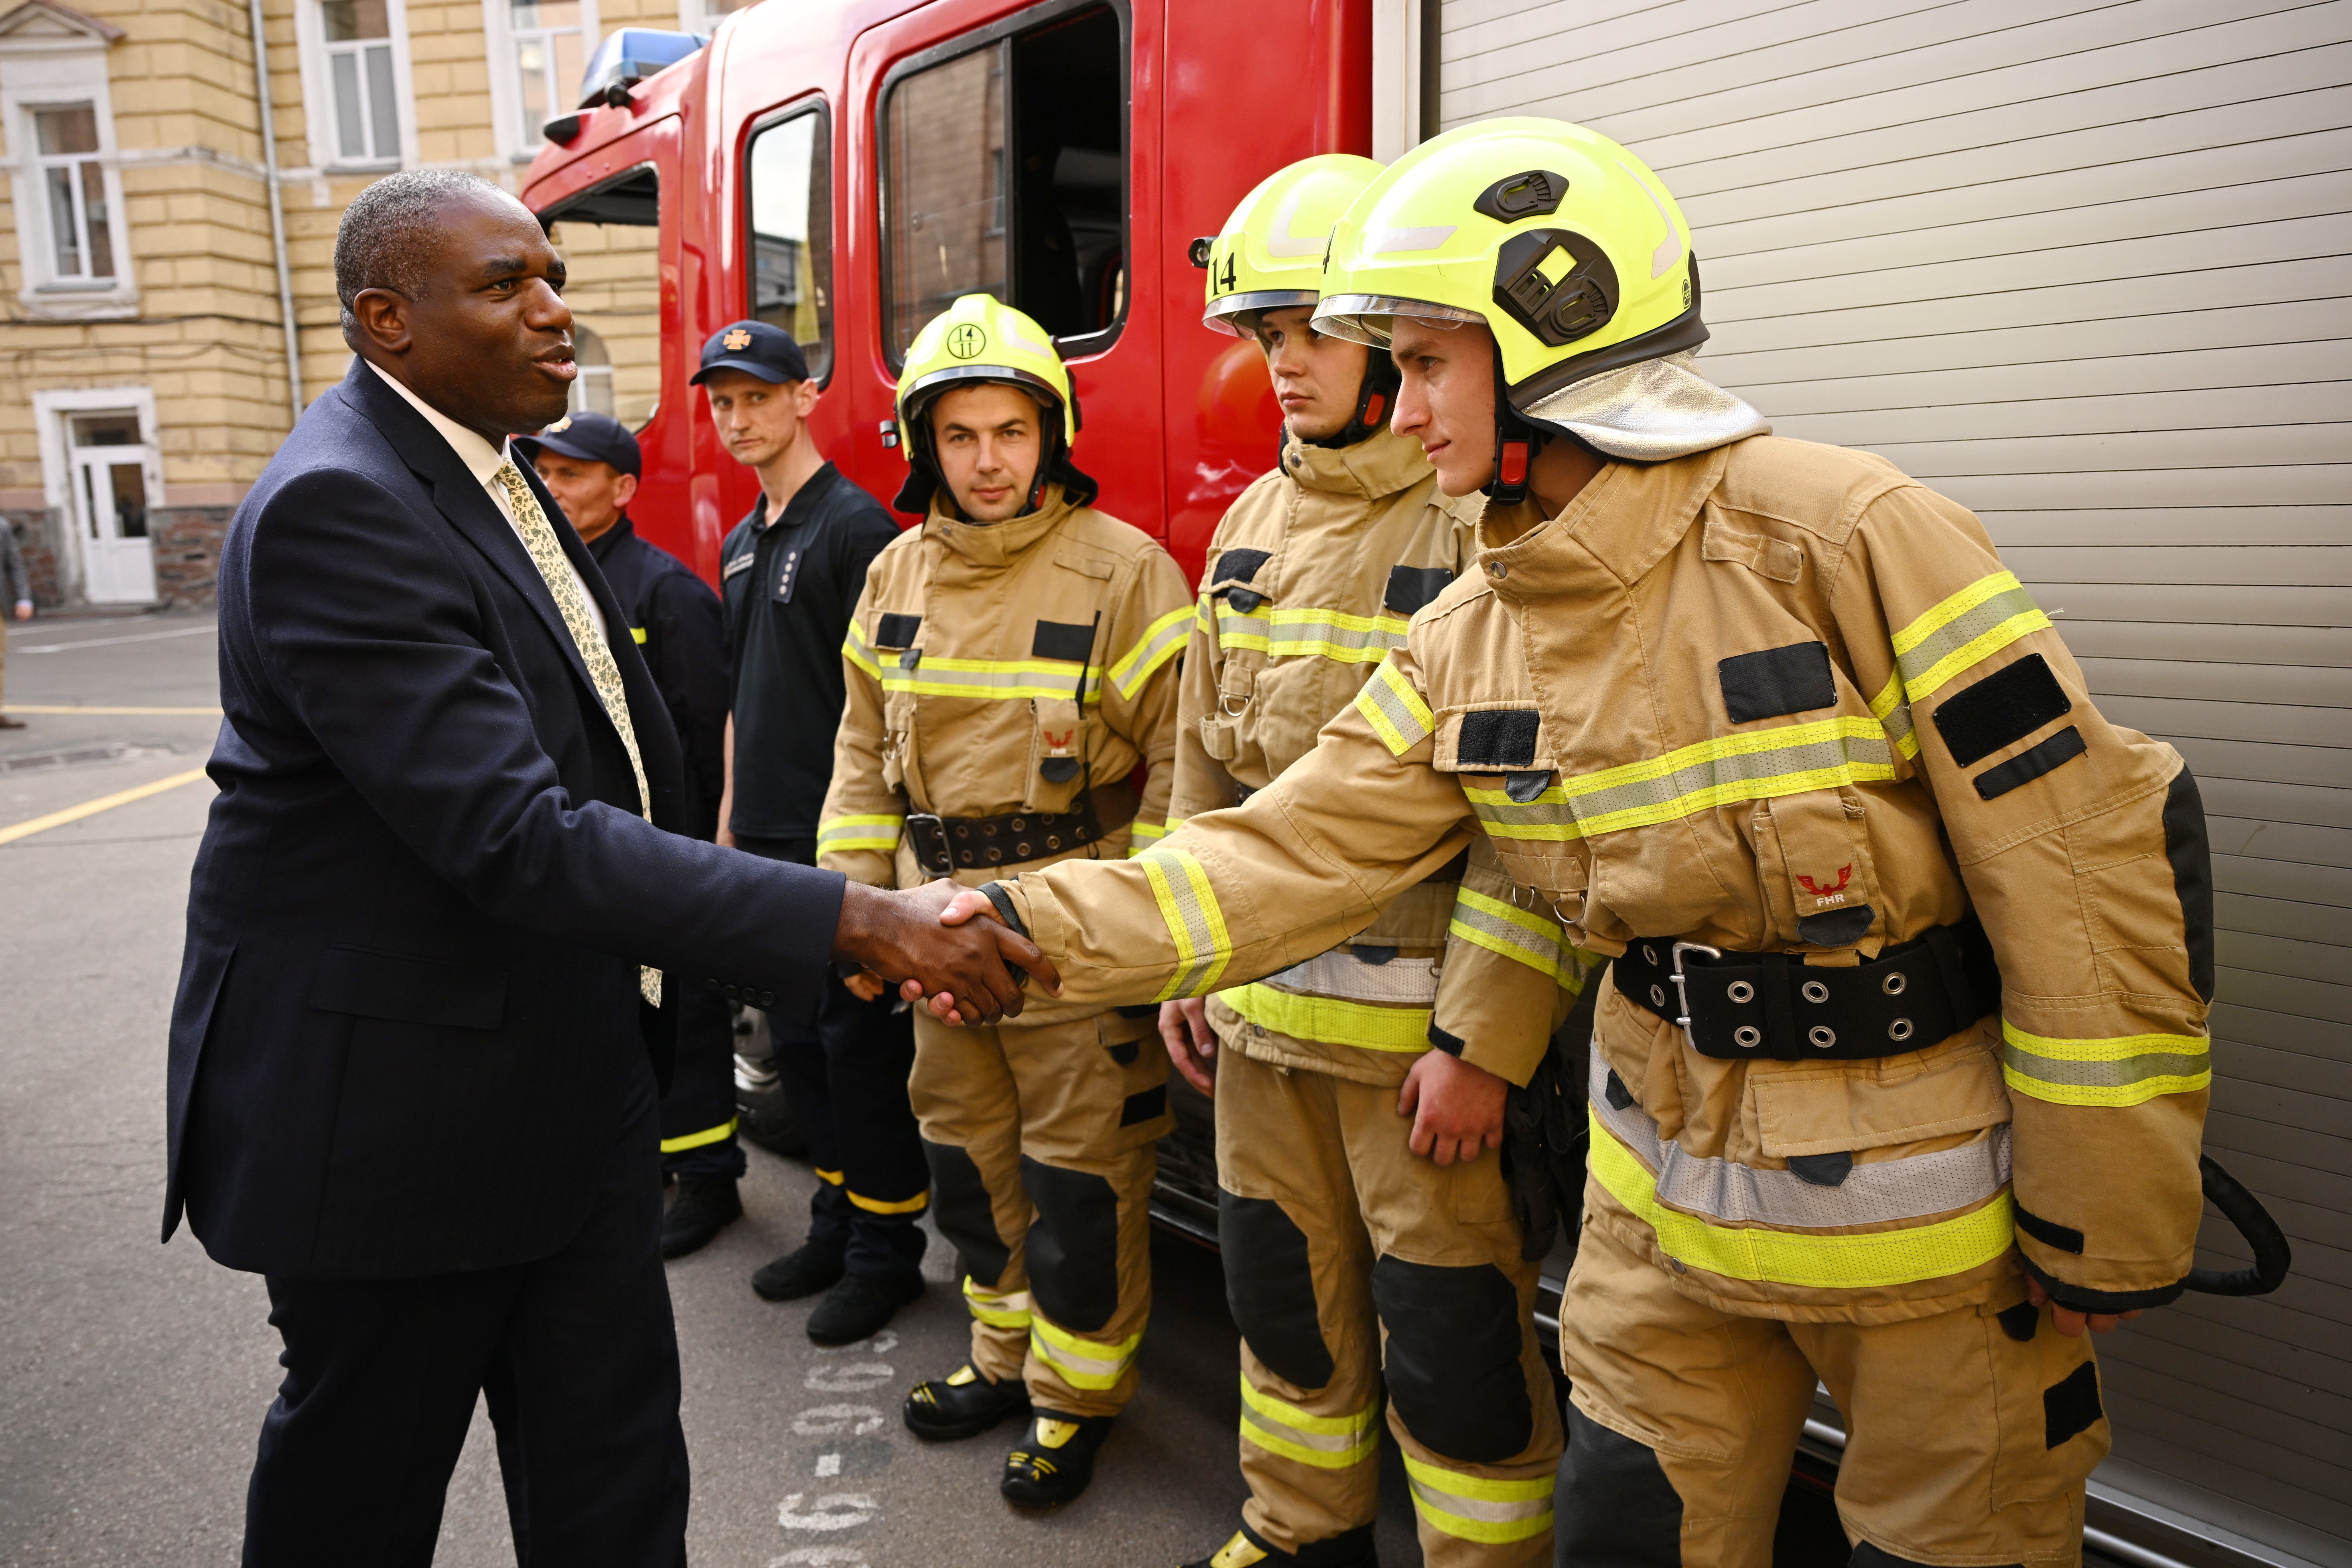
136	1374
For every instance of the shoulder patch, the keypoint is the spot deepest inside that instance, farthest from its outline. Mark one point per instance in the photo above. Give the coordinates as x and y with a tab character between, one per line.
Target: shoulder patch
1497	738
895	630
1410	587
1792	679
1237	566
2001	709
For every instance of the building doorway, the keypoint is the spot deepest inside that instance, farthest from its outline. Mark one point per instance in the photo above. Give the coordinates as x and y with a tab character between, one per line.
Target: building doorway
110	466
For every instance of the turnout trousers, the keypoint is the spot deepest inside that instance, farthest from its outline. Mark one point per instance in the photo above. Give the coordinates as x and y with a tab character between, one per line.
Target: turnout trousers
1346	1253
1969	1432
1040	1141
845	1080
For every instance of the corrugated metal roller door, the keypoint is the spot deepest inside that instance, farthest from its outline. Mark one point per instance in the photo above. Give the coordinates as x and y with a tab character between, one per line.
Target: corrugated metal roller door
2083	267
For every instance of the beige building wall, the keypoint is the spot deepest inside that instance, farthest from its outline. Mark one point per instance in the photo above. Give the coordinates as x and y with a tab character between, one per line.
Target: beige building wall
192	324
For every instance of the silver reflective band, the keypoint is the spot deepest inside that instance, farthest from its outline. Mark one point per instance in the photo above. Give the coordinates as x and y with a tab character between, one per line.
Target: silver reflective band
1402	981
1260	299
1649	412
1880	1193
1364	318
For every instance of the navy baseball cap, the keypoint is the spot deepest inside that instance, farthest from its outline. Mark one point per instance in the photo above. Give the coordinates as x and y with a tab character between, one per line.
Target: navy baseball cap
754	348
591	438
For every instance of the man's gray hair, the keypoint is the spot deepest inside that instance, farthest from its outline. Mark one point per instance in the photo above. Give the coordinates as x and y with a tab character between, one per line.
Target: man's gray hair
386	239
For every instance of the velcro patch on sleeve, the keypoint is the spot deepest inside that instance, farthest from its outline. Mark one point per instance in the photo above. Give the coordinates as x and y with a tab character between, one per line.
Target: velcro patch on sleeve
1237	566
1410	587
1792	679
1497	740
1061	639
2001	709
2028	765
896	631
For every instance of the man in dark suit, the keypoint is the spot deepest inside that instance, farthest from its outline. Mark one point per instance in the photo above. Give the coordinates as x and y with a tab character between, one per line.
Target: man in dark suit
438	928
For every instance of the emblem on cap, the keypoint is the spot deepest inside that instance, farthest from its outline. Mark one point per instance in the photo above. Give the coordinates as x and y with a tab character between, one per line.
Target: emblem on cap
966	340
741	337
561	425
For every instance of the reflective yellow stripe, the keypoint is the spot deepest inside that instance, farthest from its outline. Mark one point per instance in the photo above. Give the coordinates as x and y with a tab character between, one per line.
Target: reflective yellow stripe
995	679
1162	640
1894	715
1331	1020
915	1204
876	832
1500	926
830	1178
697	1140
1326	1442
2127	1070
1971	626
1141	836
636	634
1006	1311
1809	1259
1547	817
1394	710
1330	633
1204	618
1195	924
1082	1363
854	649
1237	629
1478	1508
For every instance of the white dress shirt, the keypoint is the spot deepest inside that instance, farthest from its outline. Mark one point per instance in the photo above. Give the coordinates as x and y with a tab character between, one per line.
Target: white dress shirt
483	461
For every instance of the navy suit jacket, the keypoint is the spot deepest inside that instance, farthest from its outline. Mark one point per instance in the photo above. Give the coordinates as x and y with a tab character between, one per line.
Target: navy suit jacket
408	1018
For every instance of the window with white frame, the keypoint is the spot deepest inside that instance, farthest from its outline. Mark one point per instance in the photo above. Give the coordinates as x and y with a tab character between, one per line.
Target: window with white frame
546	38
365	118
73	190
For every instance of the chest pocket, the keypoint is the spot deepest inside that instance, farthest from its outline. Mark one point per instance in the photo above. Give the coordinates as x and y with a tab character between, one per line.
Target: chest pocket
1237	602
1059	743
894	641
1503	760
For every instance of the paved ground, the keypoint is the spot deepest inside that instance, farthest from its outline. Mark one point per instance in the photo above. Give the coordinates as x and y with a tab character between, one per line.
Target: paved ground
137	1374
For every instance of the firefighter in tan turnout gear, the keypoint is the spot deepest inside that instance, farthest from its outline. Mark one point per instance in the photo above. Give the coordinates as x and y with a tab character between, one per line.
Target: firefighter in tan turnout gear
1012	662
1337	1215
1900	1069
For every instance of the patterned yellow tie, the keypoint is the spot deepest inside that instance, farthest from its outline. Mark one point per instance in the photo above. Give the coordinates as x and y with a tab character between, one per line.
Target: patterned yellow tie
555	571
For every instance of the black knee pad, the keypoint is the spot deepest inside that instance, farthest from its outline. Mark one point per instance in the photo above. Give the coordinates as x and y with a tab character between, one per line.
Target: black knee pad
1866	1556
1453	1358
1270	1286
1613	1503
960	1204
1074	1246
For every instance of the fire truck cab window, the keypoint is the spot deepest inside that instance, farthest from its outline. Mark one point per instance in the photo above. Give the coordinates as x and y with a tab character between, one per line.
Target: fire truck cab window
789	172
1006	173
609	239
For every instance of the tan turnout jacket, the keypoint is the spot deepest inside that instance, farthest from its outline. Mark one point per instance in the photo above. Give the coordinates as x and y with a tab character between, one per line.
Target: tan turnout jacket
968	657
2064	1128
1313	574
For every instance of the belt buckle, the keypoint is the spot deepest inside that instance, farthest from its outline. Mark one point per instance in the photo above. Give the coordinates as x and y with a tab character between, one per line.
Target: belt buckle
920	824
1682	985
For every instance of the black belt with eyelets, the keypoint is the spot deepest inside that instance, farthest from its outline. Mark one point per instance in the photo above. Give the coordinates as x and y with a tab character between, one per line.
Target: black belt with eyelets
946	844
1738	1005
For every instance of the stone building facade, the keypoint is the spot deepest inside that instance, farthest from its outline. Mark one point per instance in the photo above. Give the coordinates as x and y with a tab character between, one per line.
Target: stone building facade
144	377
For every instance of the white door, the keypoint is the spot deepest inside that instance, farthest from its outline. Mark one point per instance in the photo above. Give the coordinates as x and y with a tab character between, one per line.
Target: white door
111	467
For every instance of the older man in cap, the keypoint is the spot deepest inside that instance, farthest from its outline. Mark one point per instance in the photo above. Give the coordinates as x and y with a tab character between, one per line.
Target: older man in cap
591	464
792	572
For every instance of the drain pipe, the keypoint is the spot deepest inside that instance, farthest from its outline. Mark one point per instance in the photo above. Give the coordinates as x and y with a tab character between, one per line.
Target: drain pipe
277	216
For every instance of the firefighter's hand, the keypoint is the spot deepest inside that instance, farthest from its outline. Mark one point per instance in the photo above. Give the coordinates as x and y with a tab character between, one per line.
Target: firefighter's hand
962	907
866	985
1192	1044
2069	1323
1456	1108
901	937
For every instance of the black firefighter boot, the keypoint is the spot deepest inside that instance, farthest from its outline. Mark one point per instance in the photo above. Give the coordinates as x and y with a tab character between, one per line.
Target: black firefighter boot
961	1405
1247	1549
1053	1463
704	1207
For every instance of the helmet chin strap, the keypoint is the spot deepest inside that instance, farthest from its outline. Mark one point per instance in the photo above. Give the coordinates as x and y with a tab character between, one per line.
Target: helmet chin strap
1375	396
1516	442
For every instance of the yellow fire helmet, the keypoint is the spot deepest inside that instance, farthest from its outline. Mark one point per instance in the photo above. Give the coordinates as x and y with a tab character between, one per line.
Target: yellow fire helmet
980	339
1270	255
1572	253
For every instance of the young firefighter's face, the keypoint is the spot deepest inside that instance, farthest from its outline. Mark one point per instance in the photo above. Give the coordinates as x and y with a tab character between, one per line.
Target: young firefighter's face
1316	378
1446	398
990	440
758	421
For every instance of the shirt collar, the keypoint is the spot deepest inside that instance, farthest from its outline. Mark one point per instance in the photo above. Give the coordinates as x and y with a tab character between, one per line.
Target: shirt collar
481	459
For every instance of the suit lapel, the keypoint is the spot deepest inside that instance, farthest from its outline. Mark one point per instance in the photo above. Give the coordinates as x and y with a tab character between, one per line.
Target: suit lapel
466	504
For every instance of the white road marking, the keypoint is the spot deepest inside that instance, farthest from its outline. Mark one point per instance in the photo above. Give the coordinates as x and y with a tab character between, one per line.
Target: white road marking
850	1377
831	1420
827	1464
837	1556
111	642
834	1510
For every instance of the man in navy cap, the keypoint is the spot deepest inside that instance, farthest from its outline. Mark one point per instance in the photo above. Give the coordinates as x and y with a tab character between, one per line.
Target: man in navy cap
792	572
591	464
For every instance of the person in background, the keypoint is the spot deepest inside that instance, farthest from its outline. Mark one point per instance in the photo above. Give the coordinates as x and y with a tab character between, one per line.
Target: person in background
590	463
790	572
16	592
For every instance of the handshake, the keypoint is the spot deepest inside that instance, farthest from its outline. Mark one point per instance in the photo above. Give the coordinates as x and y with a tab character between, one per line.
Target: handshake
928	942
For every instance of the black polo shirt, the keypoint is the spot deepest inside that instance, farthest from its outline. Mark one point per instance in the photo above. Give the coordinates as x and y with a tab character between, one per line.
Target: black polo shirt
675	620
791	588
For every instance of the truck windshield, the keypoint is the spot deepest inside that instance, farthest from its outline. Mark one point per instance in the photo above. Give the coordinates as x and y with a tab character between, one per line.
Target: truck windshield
1006	173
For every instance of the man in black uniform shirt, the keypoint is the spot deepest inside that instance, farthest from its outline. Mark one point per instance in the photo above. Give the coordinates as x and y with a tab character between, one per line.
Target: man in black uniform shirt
792	572
591	465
